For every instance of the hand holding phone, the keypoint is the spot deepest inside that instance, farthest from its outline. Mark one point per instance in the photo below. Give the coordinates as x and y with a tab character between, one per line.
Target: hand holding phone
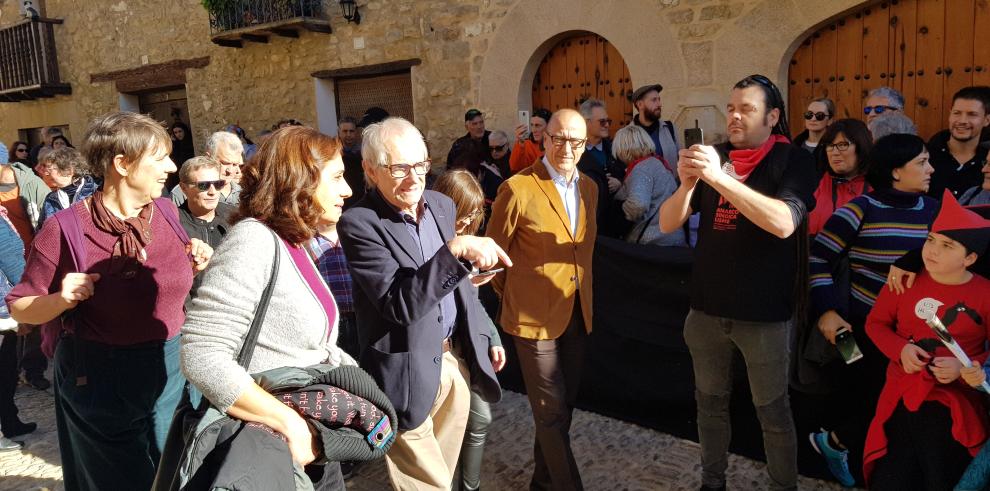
524	121
694	136
847	346
486	272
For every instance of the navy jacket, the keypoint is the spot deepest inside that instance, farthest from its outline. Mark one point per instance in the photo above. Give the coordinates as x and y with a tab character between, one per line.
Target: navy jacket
397	302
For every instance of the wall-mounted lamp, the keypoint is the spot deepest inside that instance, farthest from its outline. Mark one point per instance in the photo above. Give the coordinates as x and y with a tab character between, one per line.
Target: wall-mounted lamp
350	11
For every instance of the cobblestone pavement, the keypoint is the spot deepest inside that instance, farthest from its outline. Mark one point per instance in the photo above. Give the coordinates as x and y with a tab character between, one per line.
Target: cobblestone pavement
612	455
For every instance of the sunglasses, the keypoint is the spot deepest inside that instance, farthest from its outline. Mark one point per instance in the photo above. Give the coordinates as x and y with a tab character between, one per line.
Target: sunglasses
878	109
204	186
818	116
22	149
498	148
605	121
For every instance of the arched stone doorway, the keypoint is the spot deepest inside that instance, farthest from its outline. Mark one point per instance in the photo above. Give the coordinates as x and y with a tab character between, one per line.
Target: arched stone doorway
583	66
926	49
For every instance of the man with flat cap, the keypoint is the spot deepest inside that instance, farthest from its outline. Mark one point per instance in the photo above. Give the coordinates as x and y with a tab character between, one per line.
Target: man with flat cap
470	150
649	109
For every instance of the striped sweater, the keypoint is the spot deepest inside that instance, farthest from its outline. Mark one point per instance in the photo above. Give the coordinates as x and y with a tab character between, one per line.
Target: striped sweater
874	230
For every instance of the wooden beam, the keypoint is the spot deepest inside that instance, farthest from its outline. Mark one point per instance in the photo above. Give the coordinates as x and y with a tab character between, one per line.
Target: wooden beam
255	38
368	70
228	43
313	26
150	69
284	32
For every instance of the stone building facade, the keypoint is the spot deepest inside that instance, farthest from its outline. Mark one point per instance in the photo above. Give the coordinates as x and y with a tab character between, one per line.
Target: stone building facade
460	54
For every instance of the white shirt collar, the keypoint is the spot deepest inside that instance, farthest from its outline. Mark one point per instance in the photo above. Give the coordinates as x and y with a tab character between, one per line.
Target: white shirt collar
556	175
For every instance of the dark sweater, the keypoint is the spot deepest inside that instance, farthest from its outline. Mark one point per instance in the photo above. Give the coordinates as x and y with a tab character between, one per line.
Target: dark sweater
147	307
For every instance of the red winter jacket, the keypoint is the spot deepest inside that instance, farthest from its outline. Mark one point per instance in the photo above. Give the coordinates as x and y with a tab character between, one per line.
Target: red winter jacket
832	193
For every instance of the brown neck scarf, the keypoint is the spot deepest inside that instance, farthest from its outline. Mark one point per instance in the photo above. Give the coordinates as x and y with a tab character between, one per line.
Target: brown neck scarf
133	234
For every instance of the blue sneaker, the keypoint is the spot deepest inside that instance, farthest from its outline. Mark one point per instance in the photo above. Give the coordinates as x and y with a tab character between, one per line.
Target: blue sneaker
837	460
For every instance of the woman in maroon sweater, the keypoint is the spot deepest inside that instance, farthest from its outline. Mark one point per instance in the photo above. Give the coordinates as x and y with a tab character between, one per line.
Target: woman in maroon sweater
117	379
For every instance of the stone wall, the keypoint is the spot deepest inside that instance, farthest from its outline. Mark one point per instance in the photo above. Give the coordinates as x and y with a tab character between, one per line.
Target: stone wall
475	53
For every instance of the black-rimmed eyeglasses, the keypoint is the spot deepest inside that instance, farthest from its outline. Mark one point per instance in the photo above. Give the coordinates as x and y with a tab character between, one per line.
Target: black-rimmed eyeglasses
840	146
558	141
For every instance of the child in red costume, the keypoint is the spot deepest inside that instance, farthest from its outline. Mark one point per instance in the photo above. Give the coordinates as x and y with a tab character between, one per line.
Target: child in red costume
929	423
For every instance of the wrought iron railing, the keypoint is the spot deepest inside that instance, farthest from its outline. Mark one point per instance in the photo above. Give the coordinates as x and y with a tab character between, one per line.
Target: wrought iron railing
239	14
27	56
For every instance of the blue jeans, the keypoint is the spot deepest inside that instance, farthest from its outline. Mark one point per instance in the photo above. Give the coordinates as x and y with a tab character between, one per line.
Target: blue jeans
714	342
113	407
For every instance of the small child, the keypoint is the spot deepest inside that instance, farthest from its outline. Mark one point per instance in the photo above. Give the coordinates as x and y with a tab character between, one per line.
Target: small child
928	425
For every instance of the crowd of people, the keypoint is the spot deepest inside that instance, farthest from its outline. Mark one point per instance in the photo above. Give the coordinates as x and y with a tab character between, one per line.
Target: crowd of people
159	281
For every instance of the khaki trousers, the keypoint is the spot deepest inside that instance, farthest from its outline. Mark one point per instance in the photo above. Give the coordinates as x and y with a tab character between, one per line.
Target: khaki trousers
424	458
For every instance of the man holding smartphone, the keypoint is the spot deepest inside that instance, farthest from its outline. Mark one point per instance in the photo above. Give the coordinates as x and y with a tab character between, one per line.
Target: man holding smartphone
753	194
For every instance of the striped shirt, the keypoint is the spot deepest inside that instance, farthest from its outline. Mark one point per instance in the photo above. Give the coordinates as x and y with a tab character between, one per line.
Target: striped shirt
874	230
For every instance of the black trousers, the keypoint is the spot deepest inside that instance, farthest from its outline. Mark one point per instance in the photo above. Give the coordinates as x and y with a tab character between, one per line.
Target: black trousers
8	379
921	453
551	371
33	361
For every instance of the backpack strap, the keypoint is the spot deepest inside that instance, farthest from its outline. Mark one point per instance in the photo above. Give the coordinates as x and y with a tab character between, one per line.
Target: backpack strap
68	221
167	209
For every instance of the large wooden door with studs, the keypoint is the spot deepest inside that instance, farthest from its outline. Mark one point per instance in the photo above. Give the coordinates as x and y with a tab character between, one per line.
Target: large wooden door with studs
926	49
582	67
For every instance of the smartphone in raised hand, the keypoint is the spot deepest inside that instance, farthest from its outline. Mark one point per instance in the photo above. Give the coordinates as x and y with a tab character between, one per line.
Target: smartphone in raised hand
694	136
524	120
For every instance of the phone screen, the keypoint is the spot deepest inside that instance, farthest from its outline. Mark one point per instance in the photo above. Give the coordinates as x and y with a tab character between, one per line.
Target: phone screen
846	344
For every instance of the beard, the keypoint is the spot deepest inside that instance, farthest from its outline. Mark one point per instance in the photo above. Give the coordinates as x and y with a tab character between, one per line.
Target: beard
652	116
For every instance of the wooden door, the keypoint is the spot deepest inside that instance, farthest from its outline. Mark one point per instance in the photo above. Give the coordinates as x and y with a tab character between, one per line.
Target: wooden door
582	67
926	49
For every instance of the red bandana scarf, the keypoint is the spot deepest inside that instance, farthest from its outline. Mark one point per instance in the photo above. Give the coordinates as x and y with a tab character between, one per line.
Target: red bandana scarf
742	162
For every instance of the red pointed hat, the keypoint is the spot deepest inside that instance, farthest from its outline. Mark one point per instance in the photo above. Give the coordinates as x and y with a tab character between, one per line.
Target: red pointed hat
962	225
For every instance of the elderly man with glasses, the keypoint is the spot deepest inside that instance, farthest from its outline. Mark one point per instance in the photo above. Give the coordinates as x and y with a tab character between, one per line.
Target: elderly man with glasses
423	332
544	217
601	166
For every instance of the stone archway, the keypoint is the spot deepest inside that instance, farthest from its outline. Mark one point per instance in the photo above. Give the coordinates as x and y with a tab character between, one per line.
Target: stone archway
696	66
506	77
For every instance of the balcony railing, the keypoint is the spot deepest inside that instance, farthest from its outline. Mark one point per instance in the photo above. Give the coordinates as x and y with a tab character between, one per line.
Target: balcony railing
28	62
254	20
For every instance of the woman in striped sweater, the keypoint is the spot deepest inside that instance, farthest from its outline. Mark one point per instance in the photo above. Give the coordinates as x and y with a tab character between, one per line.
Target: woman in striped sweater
872	230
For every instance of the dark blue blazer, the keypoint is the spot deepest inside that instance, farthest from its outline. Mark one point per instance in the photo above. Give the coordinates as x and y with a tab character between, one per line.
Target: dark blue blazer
397	303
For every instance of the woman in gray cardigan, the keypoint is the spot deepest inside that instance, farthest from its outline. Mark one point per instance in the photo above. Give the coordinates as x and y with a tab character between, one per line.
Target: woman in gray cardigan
292	186
648	183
